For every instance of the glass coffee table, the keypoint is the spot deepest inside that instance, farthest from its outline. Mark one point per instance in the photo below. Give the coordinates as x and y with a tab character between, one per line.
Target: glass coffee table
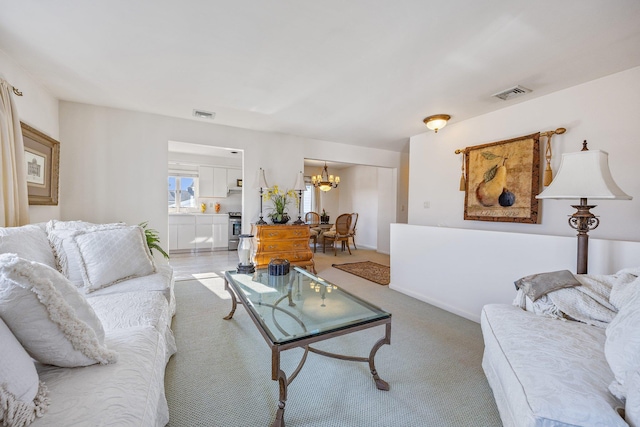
299	309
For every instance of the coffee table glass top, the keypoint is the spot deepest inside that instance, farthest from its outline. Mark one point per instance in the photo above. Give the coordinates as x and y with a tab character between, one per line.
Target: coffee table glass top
299	304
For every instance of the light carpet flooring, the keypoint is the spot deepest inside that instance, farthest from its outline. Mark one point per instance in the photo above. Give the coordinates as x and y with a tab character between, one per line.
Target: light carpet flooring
221	374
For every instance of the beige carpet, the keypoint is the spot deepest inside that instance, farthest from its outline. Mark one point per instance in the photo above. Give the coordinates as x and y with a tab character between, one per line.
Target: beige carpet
221	374
372	271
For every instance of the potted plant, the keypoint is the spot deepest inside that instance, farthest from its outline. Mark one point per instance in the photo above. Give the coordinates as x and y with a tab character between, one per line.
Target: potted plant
280	199
153	239
324	218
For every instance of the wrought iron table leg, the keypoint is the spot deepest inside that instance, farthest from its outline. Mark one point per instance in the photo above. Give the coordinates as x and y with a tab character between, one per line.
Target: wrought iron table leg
380	383
282	382
234	301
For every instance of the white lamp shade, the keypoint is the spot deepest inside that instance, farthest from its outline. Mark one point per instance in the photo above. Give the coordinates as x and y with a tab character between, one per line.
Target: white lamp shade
261	181
584	174
300	186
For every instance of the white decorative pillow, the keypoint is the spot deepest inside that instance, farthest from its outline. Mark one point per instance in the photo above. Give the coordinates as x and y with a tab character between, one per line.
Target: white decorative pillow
49	317
112	255
29	242
68	260
22	395
622	346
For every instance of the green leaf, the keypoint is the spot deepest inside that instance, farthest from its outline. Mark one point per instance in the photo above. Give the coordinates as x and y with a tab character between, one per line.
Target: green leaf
489	156
490	174
153	239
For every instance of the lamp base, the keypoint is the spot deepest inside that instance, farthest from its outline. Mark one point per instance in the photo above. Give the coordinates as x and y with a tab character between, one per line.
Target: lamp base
299	221
261	221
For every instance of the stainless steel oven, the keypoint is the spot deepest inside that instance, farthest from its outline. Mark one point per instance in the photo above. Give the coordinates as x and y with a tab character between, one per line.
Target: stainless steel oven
235	229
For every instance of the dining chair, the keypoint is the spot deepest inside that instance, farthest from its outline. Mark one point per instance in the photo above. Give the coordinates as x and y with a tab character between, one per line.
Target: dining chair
340	234
352	229
313	220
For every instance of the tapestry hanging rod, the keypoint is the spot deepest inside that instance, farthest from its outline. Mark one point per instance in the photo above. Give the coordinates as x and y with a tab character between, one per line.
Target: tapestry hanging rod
548	133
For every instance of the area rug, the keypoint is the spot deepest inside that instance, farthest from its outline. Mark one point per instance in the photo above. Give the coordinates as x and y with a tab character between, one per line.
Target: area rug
377	273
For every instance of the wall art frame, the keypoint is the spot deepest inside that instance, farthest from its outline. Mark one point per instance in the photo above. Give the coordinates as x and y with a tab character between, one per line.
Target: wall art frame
503	180
42	160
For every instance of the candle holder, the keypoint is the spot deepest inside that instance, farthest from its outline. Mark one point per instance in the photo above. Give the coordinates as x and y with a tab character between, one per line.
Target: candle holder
245	253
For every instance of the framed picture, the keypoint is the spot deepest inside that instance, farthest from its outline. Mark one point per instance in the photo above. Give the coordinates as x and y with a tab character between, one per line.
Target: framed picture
503	179
238	183
42	161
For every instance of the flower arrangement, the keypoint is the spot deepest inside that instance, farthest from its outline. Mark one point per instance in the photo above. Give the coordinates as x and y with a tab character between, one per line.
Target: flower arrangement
280	199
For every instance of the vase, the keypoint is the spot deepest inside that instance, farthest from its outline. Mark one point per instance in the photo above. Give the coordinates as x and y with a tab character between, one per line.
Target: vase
284	219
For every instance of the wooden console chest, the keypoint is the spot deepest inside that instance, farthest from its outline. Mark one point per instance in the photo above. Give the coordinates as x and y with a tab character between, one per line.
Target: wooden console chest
290	242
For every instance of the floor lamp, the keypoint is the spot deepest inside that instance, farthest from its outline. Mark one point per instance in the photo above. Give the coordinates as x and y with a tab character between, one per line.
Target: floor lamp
261	183
584	175
299	187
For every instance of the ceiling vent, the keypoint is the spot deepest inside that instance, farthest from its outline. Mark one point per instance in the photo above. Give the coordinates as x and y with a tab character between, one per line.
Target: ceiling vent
203	114
511	93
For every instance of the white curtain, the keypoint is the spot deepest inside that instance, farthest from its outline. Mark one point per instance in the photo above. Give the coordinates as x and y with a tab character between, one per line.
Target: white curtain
14	199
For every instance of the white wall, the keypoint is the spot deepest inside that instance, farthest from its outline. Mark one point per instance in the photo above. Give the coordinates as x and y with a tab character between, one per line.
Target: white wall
604	112
37	108
460	270
114	164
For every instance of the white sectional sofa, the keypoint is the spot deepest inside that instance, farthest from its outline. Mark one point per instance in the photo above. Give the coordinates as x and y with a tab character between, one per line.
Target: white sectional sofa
547	369
116	316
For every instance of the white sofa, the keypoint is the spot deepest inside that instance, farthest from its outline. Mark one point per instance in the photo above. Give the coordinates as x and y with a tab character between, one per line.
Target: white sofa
133	306
547	370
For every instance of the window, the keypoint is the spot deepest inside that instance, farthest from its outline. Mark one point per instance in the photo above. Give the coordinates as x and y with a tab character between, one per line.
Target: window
307	199
182	193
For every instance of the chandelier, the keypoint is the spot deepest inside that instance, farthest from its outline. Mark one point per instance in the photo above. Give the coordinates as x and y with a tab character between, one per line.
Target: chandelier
324	181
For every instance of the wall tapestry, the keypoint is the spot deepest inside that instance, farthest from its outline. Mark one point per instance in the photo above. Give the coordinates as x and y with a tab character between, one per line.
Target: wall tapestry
42	158
503	179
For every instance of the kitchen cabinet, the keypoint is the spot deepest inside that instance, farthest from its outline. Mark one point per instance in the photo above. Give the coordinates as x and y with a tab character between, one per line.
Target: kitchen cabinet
204	233
198	232
220	232
182	232
212	181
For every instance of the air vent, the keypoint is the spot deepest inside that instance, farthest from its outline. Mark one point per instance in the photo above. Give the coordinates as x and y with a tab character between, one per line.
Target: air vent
511	93
204	114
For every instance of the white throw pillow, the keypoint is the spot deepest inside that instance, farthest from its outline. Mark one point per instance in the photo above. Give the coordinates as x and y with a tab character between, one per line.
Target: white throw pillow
622	346
47	314
112	255
29	242
22	395
67	256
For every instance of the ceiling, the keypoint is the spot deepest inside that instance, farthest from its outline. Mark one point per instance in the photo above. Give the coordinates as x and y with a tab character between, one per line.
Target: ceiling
363	72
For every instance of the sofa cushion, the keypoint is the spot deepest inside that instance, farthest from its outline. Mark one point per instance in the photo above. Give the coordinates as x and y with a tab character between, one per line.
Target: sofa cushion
112	255
22	396
632	407
127	393
28	242
47	314
622	347
545	371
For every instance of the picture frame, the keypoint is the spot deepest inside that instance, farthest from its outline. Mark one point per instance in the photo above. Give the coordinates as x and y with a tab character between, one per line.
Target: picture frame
42	162
503	180
238	183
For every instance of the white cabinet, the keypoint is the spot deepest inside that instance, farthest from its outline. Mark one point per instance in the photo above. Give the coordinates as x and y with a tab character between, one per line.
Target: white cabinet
220	232
220	188
182	232
205	181
195	232
204	233
212	181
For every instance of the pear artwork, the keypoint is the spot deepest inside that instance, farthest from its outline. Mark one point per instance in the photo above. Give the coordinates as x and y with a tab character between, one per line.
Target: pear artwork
492	190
